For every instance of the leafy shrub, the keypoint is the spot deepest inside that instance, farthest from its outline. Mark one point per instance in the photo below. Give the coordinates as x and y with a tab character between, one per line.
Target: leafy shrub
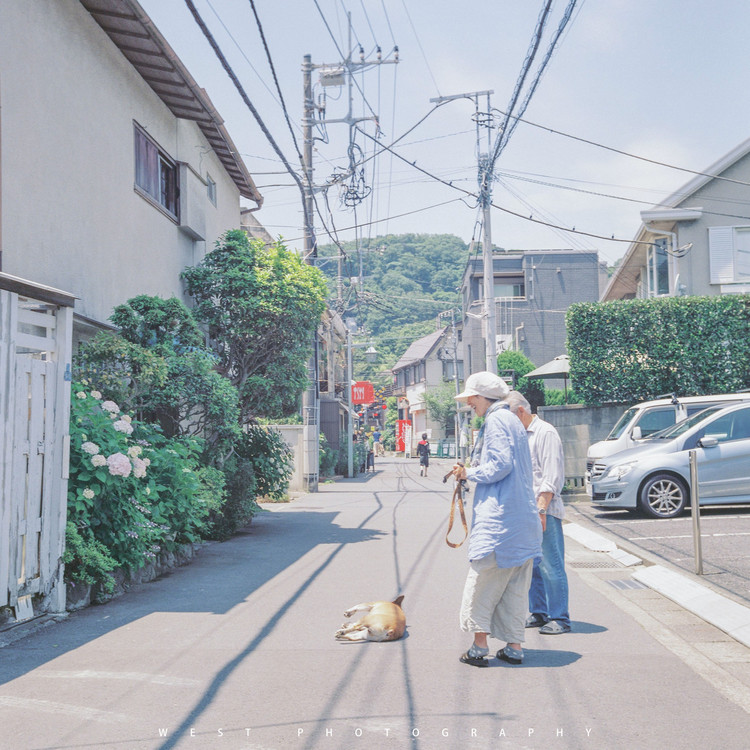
130	488
178	389
328	458
635	350
86	559
272	460
259	467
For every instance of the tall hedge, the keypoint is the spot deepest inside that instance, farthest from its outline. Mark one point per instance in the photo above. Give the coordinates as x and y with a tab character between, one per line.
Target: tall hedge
634	350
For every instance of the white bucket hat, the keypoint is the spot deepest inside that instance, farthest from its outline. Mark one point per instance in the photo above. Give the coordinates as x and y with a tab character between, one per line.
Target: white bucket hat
484	384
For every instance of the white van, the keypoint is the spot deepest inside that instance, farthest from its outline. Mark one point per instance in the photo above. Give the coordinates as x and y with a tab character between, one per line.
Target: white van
644	419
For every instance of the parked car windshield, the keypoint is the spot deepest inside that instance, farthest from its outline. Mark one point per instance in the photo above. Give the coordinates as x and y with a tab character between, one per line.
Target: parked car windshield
682	427
622	423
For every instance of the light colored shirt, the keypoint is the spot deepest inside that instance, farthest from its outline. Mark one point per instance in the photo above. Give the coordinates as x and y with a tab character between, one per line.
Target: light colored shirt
505	518
548	463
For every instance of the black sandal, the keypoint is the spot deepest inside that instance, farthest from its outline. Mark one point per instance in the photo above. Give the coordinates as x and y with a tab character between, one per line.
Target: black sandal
474	661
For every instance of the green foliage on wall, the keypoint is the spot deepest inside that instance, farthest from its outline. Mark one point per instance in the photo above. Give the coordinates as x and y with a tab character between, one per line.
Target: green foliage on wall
636	350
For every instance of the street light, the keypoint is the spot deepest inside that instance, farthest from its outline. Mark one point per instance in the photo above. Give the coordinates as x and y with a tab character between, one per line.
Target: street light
372	355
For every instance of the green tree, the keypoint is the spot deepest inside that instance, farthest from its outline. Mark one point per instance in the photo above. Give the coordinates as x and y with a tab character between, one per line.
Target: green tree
262	305
533	390
441	404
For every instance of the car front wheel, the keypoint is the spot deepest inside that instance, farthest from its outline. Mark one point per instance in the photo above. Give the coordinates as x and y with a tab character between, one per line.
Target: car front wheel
663	496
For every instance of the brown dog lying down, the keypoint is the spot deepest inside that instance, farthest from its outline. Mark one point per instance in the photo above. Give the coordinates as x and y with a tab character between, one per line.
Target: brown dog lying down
385	622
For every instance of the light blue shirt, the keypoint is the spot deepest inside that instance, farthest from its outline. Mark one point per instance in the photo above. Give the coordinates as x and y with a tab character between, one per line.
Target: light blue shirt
505	518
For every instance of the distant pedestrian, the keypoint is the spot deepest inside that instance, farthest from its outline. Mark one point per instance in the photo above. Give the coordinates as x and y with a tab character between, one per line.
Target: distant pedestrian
370	454
423	451
379	448
505	536
548	595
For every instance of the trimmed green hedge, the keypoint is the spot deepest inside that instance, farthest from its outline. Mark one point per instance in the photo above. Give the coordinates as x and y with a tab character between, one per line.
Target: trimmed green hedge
634	350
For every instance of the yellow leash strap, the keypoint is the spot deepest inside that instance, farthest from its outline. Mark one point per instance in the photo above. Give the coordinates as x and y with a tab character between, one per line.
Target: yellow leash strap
457	499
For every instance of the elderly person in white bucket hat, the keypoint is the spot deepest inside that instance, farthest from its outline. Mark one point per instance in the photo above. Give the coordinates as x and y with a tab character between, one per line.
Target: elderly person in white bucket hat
506	533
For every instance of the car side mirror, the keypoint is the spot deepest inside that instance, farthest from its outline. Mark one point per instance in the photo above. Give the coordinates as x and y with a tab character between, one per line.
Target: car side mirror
636	433
708	442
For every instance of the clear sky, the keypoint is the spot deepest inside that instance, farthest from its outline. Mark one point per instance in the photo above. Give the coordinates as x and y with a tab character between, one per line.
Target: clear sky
664	79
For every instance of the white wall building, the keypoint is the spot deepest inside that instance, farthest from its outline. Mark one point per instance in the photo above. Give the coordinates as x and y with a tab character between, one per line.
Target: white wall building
117	172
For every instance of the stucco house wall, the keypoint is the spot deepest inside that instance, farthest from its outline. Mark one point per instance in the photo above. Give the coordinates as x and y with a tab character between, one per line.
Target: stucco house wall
682	231
533	320
71	217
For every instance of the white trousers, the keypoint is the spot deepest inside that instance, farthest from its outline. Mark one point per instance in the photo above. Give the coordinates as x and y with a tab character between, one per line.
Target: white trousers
495	600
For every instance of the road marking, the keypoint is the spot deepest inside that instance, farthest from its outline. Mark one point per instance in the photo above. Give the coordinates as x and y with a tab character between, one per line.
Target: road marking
157	679
687	536
51	707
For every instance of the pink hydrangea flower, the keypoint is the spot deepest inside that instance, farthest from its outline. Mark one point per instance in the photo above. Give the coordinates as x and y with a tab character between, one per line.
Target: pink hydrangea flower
119	465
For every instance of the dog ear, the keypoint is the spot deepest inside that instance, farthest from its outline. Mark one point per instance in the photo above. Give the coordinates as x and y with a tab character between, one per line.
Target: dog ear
397	601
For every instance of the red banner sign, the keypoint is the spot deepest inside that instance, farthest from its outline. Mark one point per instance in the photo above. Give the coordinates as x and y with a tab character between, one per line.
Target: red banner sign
363	392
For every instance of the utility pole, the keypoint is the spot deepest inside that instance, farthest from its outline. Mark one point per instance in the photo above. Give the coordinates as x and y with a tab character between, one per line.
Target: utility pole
311	396
484	177
334	75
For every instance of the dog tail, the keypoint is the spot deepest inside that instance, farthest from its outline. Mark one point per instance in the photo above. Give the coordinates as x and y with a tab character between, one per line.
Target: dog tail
397	601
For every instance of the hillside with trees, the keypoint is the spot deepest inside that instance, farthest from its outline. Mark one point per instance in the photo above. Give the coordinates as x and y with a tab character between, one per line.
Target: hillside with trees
394	287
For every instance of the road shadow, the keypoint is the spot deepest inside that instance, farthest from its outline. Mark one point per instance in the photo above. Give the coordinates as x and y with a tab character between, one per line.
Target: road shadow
220	577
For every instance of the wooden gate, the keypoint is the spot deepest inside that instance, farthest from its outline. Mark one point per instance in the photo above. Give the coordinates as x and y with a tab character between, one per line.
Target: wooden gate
35	344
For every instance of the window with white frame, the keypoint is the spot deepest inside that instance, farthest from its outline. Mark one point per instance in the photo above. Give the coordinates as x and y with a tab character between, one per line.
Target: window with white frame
211	189
729	255
658	268
155	174
510	287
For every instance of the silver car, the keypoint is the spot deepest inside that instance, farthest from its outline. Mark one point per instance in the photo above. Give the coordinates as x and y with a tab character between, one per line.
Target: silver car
655	476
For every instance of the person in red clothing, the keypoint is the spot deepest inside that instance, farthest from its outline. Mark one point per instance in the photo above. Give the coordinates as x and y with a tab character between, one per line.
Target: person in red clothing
423	451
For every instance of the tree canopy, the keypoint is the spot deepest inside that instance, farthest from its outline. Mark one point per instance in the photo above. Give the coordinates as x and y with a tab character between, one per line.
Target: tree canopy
261	304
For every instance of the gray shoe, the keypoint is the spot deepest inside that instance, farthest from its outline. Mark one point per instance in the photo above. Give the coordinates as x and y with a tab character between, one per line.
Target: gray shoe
535	620
554	627
511	655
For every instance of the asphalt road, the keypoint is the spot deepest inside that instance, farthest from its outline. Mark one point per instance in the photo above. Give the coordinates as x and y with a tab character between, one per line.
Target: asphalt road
725	540
236	650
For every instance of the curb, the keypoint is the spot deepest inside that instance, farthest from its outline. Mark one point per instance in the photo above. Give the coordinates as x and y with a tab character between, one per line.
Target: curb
717	610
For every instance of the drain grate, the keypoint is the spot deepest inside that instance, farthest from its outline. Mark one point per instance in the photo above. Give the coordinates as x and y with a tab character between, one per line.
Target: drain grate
628	584
595	564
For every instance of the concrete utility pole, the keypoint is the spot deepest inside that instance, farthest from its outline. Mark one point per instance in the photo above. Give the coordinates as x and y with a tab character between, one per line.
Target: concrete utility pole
484	177
332	75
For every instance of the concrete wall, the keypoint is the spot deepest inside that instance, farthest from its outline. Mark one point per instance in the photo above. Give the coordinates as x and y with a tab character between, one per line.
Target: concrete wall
293	435
579	427
71	217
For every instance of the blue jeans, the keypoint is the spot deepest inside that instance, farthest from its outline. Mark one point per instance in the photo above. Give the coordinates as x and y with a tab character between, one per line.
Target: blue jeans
548	595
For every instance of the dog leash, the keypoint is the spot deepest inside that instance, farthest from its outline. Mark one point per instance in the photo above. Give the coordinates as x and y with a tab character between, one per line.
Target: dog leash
457	499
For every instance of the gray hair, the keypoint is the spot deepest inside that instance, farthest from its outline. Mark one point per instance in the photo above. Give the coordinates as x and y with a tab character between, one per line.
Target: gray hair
515	399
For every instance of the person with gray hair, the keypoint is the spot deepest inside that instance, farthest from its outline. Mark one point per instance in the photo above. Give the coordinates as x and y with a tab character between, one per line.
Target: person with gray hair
548	593
505	536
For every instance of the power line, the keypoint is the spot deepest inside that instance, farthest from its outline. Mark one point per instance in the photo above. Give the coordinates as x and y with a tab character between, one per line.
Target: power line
502	208
625	153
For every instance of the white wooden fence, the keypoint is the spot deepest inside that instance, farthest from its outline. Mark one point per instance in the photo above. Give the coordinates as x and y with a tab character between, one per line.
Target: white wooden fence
35	348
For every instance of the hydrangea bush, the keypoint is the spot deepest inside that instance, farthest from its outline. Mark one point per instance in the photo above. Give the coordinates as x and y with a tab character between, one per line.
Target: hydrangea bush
131	489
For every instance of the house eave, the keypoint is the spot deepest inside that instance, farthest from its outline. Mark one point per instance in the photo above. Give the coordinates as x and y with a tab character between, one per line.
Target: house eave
135	35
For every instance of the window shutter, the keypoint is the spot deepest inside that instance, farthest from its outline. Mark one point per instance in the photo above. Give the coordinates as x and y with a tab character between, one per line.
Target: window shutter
721	252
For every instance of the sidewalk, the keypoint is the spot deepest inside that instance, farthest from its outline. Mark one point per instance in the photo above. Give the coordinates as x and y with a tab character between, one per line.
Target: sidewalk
236	650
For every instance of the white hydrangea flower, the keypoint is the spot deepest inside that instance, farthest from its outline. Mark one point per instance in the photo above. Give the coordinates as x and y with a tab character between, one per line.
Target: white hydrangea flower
98	460
88	493
122	426
80	395
96	395
134	451
110	406
91	448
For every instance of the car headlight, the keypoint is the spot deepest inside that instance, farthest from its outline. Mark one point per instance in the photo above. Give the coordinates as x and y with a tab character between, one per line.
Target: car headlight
618	471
